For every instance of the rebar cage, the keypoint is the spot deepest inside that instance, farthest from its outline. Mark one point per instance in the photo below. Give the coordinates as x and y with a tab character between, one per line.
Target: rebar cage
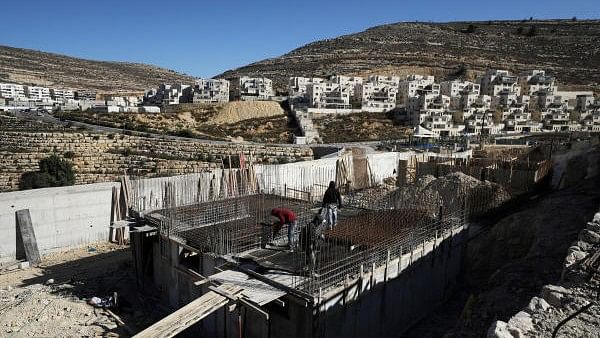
377	224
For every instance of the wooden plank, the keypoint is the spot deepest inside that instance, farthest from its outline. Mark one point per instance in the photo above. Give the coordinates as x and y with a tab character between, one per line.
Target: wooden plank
27	234
187	315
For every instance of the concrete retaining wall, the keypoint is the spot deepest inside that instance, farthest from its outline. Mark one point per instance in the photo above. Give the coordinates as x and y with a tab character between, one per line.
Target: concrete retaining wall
62	217
387	309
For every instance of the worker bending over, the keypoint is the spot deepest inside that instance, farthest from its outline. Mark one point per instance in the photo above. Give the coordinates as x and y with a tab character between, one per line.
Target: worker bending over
286	217
331	201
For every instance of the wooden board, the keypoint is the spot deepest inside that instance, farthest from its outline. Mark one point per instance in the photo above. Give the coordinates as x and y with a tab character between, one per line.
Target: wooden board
25	231
254	290
189	314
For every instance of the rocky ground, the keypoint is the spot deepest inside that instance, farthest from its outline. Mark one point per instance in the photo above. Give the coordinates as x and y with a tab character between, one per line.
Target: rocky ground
51	300
359	127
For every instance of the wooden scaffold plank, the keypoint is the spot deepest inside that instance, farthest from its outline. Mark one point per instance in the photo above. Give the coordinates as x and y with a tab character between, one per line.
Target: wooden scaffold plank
189	314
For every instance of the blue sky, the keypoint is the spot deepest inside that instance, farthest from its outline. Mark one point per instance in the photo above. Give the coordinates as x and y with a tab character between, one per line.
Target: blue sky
205	38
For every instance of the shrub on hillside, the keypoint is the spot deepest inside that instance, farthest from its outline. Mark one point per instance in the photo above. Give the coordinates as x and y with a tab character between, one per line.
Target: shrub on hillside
532	31
470	29
54	172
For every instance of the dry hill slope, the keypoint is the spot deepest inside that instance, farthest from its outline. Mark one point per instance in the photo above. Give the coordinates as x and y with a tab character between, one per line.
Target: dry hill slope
569	49
27	66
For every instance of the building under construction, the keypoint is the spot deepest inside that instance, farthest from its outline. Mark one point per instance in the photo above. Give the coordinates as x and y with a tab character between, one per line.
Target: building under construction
205	241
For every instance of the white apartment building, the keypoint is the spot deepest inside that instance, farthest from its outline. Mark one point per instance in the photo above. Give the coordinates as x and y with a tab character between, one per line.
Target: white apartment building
591	121
12	91
569	98
584	102
413	84
62	95
297	85
509	99
536	81
459	88
167	94
377	96
482	123
349	82
255	88
544	100
382	79
558	121
442	124
124	100
420	106
41	94
495	82
328	95
432	112
211	91
84	94
518	120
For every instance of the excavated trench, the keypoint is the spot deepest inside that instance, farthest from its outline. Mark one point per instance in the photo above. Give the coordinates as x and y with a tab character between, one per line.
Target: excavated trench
519	252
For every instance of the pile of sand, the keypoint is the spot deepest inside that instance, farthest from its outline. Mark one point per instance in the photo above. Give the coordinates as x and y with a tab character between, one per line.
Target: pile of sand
237	111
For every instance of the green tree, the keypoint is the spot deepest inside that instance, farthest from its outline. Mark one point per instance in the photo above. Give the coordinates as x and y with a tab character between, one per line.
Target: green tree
470	29
54	172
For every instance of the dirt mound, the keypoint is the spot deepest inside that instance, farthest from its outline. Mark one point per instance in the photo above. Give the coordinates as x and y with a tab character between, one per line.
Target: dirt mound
237	111
450	191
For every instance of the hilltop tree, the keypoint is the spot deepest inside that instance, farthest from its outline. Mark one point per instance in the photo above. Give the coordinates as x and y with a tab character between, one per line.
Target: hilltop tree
532	31
470	29
54	172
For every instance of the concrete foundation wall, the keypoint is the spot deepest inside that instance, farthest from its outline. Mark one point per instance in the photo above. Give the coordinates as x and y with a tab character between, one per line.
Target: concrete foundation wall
62	217
387	309
381	304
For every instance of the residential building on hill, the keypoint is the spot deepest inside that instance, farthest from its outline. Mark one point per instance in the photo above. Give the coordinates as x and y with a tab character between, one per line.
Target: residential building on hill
12	91
211	91
254	88
495	82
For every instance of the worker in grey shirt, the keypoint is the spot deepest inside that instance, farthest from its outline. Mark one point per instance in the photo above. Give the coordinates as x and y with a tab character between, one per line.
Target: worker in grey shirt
332	200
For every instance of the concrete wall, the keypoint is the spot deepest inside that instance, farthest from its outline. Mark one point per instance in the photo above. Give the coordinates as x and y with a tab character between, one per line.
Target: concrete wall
62	217
380	304
386	309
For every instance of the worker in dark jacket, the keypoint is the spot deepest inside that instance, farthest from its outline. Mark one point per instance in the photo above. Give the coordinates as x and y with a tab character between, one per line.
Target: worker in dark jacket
331	201
286	217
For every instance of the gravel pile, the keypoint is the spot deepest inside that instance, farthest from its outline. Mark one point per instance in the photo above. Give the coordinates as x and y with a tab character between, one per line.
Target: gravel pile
450	190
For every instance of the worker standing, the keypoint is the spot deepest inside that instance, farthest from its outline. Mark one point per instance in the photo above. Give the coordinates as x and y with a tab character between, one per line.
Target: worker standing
286	217
332	200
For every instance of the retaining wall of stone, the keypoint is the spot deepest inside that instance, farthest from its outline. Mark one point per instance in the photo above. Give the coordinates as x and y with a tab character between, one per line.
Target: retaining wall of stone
103	157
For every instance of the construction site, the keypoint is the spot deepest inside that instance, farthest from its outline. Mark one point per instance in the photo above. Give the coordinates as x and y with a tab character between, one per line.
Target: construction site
394	253
205	246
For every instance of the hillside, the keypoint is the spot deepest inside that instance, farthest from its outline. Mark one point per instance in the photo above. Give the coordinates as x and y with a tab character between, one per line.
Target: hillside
257	121
27	66
567	49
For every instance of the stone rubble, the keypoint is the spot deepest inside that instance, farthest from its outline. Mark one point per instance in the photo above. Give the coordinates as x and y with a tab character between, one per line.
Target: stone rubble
577	288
